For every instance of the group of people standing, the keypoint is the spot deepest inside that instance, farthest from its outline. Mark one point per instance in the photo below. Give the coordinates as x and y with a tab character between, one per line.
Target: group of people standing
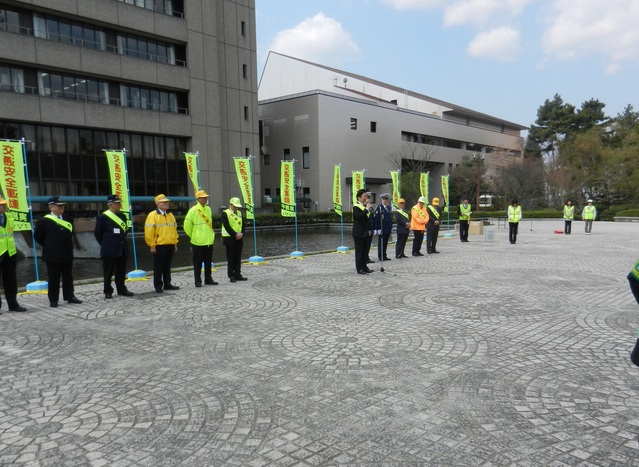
55	233
588	214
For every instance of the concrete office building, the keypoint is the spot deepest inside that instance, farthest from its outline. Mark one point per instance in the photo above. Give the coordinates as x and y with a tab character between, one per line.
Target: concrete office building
157	77
322	116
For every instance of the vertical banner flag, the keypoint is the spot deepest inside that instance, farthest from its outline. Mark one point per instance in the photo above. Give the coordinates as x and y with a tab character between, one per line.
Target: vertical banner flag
358	184
192	169
395	178
337	190
119	180
445	179
14	184
243	170
423	185
287	189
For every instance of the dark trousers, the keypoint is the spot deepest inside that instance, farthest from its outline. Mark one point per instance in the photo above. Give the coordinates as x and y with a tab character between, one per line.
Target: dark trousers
114	265
417	240
463	230
162	265
202	254
9	283
369	241
634	288
400	244
382	244
513	227
567	227
361	253
54	272
431	239
234	258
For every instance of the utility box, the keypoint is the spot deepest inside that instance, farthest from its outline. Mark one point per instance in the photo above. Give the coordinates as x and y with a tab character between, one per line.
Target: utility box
489	235
476	228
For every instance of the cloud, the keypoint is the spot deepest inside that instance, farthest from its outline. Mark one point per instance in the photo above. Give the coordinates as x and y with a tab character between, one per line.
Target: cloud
608	29
500	43
414	4
483	12
318	39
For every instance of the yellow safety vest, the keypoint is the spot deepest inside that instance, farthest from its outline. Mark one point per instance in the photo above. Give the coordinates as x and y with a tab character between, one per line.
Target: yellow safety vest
514	214
589	213
60	222
235	223
465	212
434	210
114	217
635	270
7	244
198	225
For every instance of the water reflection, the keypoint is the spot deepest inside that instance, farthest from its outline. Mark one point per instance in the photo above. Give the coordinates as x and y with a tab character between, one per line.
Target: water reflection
320	238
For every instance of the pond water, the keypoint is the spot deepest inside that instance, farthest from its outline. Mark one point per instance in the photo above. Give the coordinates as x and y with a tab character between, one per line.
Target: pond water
269	243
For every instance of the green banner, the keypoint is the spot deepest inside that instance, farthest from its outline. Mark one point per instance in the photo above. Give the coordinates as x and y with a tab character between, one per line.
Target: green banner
192	168
119	180
337	190
287	189
358	183
396	195
423	185
244	178
14	184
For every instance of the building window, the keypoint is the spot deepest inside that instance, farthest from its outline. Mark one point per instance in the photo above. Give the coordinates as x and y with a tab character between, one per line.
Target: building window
243	28
247	152
11	79
267	192
287	154
353	124
373	127
244	71
267	159
167	7
148	49
306	191
69	32
246	113
306	158
9	21
149	99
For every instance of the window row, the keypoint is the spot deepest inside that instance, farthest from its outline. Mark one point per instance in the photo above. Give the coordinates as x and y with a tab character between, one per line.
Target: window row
373	127
286	156
444	142
67	86
167	7
89	36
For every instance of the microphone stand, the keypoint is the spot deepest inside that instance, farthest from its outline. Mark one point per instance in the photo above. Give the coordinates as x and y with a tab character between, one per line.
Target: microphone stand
381	237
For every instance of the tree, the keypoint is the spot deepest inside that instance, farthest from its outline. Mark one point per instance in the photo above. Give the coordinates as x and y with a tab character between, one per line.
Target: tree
521	180
464	179
411	160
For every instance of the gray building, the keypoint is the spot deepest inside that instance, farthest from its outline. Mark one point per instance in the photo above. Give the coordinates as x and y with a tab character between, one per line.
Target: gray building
322	116
157	77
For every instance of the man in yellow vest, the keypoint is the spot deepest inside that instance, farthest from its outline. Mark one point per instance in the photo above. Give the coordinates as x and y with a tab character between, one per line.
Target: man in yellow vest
55	233
589	214
8	259
111	230
160	233
514	216
569	215
402	218
464	211
418	221
233	239
433	225
198	225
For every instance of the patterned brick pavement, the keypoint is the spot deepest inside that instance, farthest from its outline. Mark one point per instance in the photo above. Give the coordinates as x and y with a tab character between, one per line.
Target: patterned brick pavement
486	354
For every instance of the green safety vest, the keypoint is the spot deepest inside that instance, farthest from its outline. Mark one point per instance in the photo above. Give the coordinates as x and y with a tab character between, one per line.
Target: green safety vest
465	212
434	211
235	222
60	222
7	244
589	212
111	215
514	214
405	214
569	212
635	270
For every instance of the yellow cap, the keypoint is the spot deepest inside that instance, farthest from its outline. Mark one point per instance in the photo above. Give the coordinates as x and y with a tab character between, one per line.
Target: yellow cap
400	200
435	201
236	202
201	194
2	200
161	199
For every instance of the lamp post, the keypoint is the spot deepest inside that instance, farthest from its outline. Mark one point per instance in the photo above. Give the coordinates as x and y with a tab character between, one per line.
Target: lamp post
478	158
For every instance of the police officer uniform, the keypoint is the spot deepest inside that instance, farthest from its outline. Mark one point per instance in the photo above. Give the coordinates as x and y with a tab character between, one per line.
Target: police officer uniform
233	239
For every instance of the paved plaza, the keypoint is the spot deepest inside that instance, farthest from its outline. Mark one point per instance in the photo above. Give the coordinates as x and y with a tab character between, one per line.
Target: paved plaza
487	354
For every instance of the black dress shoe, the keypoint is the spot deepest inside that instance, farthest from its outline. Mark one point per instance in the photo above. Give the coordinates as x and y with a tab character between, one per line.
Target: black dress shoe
171	287
126	293
108	296
198	284
159	290
362	272
53	304
369	261
211	282
17	308
436	252
75	300
232	279
241	278
403	256
398	257
386	258
368	271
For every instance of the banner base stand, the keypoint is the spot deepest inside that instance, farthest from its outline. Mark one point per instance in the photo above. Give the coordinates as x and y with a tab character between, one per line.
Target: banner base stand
342	249
297	255
137	275
448	235
213	268
38	287
256	260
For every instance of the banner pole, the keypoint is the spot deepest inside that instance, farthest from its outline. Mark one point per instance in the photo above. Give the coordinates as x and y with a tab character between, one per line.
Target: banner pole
255	259
38	286
136	274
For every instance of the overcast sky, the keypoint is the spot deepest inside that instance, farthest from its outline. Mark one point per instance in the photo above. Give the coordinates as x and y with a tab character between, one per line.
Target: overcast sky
500	57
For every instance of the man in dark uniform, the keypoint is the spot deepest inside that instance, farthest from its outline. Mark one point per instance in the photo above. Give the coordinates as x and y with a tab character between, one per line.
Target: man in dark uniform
111	230
8	259
361	231
433	225
55	233
233	239
383	225
402	218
